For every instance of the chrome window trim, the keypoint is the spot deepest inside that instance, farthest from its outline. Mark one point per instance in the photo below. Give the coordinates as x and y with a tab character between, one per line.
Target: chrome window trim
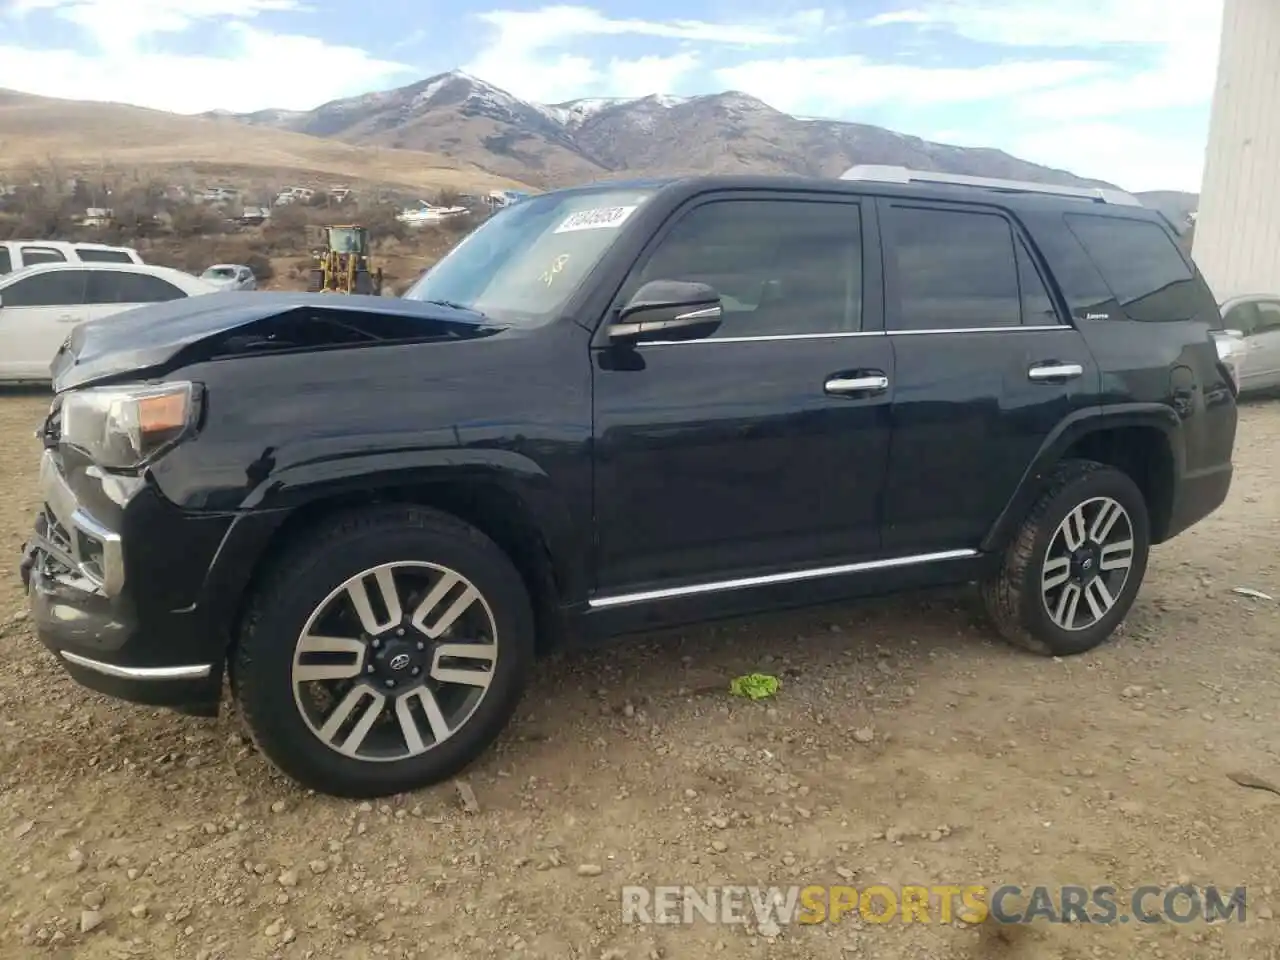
841	335
770	579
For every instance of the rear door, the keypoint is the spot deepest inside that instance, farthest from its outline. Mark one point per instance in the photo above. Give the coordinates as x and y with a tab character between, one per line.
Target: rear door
751	452
37	314
986	369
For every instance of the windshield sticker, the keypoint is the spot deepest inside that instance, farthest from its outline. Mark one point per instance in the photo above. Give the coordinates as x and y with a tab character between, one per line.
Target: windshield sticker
601	218
548	276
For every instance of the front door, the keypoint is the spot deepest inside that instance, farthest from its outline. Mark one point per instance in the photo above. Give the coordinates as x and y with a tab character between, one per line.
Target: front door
986	369
762	448
37	314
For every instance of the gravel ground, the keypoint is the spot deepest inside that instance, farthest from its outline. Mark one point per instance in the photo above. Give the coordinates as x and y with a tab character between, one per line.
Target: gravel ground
906	745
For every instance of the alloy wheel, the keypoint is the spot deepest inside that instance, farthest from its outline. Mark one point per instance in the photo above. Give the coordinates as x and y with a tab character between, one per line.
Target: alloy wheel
1087	564
394	661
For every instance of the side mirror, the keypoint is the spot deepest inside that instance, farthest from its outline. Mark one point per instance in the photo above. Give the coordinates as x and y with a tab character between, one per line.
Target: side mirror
668	310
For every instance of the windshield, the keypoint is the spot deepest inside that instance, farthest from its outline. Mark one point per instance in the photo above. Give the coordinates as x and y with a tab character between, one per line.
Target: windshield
220	273
525	262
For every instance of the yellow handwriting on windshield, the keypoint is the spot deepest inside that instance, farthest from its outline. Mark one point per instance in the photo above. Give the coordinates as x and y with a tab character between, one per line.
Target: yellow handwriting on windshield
549	276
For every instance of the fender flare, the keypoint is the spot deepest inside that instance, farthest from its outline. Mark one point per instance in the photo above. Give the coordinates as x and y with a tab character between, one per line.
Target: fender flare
1069	431
541	501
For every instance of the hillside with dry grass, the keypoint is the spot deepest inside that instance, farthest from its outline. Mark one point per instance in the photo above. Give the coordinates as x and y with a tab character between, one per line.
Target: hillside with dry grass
92	135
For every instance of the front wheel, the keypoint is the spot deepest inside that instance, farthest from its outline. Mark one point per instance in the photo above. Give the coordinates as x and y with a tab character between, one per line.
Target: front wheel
383	653
1074	568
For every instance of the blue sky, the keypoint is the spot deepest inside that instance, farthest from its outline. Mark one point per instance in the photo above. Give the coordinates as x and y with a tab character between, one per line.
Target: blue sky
1118	89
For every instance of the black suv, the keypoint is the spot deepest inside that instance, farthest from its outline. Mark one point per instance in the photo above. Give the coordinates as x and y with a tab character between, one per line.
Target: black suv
614	408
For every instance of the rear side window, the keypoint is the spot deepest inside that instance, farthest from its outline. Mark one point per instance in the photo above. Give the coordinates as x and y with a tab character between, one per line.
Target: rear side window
32	255
6	261
125	287
92	255
1141	265
959	269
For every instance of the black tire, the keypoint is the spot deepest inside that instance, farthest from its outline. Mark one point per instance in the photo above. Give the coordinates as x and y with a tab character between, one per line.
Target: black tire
1013	596
297	584
364	283
315	281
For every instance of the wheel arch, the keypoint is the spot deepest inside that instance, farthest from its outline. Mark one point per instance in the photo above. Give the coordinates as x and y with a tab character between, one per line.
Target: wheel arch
1141	440
492	503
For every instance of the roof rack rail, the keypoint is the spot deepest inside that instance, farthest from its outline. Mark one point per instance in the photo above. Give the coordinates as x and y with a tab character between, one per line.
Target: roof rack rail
886	173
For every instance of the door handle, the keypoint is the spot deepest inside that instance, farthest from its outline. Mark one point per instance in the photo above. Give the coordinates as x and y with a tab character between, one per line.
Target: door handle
872	383
67	318
1055	371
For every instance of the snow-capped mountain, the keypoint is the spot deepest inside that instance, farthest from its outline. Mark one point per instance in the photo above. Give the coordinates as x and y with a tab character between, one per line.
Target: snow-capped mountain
465	118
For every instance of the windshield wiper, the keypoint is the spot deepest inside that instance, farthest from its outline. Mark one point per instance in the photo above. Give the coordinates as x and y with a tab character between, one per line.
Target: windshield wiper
454	305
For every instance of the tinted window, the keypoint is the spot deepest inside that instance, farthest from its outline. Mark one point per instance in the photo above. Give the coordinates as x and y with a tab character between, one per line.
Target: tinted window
6	262
32	255
1268	316
1242	317
1141	265
1037	304
954	269
91	255
110	286
780	266
59	288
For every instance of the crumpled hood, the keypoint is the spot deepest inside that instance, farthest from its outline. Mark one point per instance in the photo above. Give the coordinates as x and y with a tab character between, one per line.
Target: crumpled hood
146	339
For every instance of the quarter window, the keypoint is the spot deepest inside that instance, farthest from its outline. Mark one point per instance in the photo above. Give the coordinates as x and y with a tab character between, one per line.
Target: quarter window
1140	264
97	255
957	269
780	266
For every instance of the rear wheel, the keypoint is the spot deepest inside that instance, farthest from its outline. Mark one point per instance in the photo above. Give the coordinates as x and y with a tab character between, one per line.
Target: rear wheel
385	653
1073	570
315	281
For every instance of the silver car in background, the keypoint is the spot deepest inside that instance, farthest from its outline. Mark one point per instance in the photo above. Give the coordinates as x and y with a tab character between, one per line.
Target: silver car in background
230	276
1254	322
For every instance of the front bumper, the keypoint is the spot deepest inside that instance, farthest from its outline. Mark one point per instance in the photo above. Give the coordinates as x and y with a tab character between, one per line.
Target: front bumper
124	592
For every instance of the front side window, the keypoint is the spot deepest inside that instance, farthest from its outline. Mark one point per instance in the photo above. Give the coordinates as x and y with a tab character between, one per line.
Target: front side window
6	261
956	269
55	289
524	263
780	266
1268	316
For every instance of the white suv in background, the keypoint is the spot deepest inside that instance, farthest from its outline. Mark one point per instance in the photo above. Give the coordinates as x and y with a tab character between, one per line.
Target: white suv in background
16	254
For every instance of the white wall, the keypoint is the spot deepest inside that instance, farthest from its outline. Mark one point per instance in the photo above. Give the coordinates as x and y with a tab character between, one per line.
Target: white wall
1237	239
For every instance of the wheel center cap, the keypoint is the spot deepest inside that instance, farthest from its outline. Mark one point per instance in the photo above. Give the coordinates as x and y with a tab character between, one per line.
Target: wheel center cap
397	661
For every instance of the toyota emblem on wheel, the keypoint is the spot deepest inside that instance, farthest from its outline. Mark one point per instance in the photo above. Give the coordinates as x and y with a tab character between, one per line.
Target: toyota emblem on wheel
399	661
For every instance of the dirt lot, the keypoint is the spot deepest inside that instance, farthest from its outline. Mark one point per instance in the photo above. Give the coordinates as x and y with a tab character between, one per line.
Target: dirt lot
905	746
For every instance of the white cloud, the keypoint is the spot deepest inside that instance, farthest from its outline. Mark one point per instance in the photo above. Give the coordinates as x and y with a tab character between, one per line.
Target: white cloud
833	86
258	69
536	53
1159	53
1116	153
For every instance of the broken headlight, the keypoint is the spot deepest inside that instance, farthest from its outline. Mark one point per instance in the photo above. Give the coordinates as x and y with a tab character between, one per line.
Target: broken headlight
124	427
